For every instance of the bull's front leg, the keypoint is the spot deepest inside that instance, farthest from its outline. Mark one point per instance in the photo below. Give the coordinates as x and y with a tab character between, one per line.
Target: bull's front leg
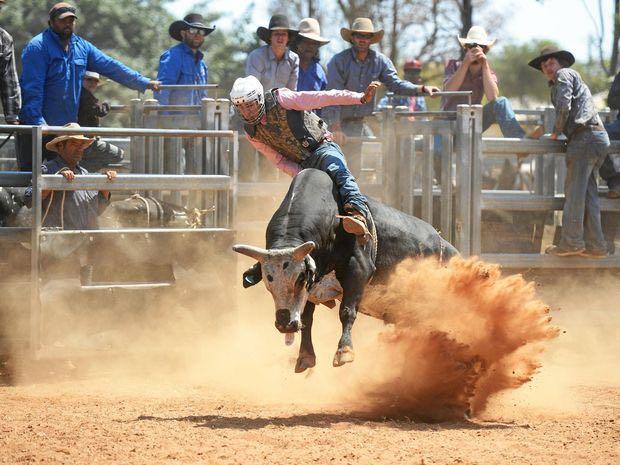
306	358
345	354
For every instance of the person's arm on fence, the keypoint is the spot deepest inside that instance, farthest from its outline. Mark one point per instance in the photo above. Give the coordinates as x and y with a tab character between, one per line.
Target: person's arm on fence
564	92
34	71
9	83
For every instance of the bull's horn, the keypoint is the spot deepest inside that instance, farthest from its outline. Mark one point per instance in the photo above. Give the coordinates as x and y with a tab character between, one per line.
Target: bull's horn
304	249
253	252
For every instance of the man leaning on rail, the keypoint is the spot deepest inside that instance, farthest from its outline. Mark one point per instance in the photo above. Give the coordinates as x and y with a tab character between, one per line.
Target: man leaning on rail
354	69
73	209
279	123
53	67
576	117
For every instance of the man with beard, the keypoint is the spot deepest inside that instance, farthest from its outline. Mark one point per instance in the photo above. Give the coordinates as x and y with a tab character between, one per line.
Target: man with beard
354	69
9	84
54	65
184	63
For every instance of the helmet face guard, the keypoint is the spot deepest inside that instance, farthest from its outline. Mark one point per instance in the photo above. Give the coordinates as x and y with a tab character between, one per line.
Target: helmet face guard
248	99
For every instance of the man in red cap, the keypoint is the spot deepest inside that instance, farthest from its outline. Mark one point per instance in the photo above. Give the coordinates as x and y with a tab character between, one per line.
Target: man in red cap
412	73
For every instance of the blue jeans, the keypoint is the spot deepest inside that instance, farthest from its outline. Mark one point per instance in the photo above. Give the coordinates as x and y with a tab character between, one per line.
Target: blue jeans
607	170
500	111
581	221
329	158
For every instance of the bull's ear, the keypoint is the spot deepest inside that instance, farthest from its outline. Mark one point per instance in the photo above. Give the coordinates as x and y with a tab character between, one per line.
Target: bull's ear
304	249
252	276
253	252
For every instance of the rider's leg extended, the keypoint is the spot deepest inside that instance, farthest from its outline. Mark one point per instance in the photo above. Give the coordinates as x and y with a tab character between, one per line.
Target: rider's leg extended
329	158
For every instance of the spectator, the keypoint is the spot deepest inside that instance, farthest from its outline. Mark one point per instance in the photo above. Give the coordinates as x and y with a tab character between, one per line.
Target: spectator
274	65
577	118
76	209
608	171
100	153
9	84
184	63
354	69
474	73
54	64
278	126
309	40
413	73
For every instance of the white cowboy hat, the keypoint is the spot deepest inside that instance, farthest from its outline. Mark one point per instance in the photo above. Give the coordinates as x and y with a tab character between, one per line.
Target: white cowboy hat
51	145
477	35
309	29
364	26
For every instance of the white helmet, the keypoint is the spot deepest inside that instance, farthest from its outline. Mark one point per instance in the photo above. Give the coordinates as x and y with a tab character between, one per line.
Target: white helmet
248	98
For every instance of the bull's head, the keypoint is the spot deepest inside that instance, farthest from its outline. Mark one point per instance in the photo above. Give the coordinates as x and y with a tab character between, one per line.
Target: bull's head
288	275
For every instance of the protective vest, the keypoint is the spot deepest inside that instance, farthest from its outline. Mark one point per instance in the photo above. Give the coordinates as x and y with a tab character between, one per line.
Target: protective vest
292	133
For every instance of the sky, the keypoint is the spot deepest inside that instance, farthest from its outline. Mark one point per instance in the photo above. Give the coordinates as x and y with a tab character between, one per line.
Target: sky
566	22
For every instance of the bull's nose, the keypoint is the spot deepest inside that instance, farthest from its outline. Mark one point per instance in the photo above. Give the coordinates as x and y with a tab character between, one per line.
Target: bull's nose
283	318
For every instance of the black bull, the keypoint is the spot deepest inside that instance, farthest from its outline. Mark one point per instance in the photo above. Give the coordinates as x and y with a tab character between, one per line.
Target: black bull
306	243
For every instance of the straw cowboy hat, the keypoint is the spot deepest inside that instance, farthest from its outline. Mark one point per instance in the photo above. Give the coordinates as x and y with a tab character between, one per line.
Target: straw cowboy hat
476	35
364	26
276	23
93	75
549	51
191	20
309	29
51	145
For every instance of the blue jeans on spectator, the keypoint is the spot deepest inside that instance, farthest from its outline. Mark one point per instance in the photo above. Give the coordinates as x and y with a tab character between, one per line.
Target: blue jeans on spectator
607	170
500	111
581	220
329	158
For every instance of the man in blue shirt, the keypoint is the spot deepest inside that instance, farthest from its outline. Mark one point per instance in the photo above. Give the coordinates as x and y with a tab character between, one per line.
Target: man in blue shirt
53	67
309	40
354	69
183	63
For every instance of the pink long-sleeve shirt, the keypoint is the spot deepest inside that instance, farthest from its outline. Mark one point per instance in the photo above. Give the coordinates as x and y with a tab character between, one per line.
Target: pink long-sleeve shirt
306	100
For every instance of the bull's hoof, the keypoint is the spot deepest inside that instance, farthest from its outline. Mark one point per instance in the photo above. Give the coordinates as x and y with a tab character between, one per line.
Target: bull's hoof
344	355
304	362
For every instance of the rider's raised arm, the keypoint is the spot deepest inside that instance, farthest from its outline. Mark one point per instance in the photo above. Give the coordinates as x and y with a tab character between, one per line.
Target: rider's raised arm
310	100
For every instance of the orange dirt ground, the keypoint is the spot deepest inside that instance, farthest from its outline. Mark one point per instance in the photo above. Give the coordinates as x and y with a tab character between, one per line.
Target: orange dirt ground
230	396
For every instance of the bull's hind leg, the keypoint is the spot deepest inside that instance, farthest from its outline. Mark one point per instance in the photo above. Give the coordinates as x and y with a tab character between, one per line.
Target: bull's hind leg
306	358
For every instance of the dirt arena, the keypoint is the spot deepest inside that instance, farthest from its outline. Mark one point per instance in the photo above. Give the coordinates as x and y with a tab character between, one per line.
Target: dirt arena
229	395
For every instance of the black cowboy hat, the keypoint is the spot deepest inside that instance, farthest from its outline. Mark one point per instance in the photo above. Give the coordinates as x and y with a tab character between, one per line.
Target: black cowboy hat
549	51
191	20
276	23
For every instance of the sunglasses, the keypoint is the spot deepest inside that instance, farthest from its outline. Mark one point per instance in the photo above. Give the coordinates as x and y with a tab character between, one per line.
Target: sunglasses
194	30
363	36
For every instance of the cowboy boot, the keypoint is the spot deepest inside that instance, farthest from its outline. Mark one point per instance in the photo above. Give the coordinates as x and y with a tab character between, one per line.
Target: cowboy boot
354	222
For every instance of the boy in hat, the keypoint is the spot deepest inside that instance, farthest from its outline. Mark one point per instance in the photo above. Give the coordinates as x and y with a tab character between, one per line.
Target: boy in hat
184	63
354	69
576	117
274	64
278	123
474	73
77	209
100	153
54	64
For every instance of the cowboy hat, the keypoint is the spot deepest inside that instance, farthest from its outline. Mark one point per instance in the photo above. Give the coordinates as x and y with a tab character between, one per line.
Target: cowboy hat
276	23
309	29
476	35
549	51
191	20
51	145
364	26
93	75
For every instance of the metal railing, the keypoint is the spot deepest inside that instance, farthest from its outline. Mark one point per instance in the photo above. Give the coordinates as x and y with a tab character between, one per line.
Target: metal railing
129	182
